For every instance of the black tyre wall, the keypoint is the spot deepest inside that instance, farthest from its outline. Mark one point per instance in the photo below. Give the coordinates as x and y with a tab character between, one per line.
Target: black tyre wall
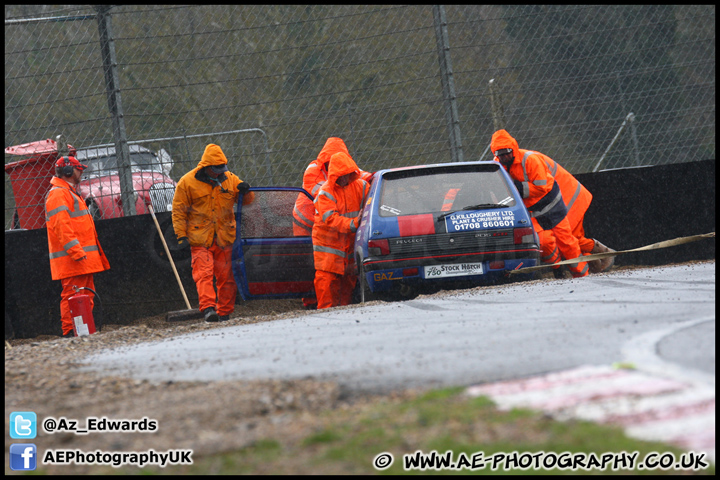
634	207
140	281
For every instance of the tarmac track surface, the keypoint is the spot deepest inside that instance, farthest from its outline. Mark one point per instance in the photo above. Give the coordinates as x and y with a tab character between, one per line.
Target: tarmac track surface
661	319
553	346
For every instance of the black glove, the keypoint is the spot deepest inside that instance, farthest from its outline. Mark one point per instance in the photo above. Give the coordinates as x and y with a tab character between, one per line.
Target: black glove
183	242
519	187
243	187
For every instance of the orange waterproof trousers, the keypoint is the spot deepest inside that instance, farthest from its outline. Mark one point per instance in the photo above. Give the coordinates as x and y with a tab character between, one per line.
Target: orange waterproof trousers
209	262
68	291
561	240
548	245
333	290
586	244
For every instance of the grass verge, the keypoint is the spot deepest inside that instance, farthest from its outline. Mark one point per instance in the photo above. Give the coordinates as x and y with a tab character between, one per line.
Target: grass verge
347	441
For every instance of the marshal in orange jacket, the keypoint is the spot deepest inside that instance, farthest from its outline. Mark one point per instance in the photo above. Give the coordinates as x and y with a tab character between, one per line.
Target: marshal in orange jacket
338	216
540	188
315	176
202	210
71	234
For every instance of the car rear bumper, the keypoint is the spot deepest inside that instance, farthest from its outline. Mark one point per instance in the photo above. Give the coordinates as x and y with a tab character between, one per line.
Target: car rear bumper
505	253
385	274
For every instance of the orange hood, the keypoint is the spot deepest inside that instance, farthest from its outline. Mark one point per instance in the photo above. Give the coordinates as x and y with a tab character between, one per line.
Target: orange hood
341	164
502	139
332	146
213	156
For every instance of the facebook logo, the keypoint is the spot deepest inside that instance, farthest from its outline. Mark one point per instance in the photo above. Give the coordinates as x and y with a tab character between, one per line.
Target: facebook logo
23	456
23	425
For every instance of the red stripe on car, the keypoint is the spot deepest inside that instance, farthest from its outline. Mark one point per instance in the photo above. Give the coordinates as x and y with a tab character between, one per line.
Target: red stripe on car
412	225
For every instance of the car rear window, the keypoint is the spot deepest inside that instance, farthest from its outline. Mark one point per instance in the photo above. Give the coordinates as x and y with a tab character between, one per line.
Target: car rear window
430	190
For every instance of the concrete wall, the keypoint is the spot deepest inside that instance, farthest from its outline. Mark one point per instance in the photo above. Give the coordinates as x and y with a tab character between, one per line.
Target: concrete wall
631	208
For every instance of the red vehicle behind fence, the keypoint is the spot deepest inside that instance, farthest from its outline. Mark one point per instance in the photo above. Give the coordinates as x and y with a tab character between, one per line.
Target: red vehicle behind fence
100	183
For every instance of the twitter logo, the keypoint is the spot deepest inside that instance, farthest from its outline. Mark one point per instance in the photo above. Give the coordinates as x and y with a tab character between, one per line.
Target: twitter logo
23	425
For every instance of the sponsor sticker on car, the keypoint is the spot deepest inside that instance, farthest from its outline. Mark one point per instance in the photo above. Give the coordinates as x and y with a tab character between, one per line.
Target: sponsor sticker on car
460	221
456	270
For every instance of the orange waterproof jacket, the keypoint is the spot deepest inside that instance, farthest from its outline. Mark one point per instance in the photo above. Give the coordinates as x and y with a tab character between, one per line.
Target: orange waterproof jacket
202	207
577	198
338	216
71	233
540	192
315	176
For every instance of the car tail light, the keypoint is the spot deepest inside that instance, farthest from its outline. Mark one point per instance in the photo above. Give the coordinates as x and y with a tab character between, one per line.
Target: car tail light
523	235
378	247
410	272
497	264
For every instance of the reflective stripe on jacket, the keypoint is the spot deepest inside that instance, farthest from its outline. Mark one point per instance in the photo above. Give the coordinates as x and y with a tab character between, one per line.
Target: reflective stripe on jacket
71	234
338	216
202	208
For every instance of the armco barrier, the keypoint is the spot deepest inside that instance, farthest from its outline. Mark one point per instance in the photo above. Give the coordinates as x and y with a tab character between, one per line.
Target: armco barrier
630	208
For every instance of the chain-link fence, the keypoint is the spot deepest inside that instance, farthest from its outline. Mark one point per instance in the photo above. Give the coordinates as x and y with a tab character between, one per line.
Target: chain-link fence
593	87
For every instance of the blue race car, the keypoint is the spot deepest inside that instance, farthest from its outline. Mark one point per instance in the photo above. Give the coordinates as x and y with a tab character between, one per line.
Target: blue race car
423	228
437	226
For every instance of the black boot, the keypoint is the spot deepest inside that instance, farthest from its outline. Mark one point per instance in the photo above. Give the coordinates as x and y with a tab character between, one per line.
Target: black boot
560	272
210	315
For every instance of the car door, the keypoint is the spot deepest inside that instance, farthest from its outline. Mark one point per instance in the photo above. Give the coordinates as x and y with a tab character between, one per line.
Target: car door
268	260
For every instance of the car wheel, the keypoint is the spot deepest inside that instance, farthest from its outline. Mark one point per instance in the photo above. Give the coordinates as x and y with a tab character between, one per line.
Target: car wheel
405	292
399	293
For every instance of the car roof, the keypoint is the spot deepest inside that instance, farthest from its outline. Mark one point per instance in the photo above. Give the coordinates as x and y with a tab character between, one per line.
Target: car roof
99	152
438	165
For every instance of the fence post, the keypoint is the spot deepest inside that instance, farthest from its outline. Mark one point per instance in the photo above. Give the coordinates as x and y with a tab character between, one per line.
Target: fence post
630	118
498	111
448	83
112	85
